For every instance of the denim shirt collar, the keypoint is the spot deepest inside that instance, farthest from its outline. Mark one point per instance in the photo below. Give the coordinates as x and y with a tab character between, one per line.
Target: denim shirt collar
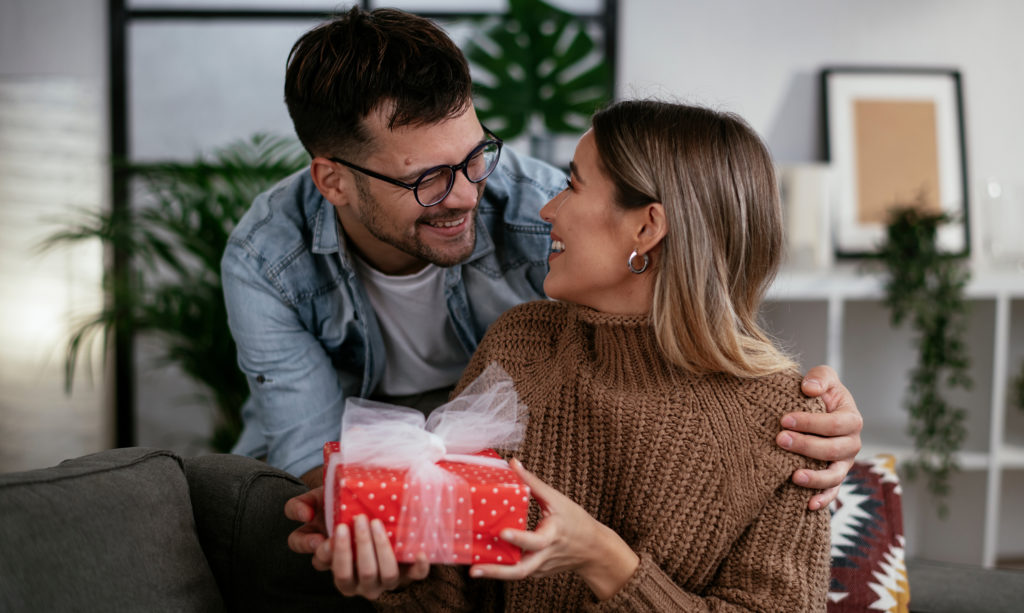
327	237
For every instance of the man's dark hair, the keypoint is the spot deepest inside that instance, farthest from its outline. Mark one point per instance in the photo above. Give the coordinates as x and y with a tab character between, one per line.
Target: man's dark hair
342	70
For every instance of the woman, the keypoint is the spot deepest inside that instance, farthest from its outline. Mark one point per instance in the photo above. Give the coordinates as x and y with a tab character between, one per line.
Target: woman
654	396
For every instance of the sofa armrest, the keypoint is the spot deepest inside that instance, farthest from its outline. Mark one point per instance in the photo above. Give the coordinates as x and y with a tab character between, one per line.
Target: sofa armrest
111	531
239	511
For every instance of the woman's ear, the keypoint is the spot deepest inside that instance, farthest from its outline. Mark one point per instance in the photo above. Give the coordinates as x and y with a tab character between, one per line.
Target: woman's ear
333	183
654	227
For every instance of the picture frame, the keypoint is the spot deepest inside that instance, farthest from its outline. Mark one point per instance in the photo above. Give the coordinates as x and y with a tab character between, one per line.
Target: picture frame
894	137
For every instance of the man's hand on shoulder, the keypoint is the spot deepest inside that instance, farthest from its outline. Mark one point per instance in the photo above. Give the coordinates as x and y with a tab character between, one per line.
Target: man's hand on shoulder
833	436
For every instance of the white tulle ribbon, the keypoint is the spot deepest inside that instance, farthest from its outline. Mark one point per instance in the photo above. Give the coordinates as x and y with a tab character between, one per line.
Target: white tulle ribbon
486	414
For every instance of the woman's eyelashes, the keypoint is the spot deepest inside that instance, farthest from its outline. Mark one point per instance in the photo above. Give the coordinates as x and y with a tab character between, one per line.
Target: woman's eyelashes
568	182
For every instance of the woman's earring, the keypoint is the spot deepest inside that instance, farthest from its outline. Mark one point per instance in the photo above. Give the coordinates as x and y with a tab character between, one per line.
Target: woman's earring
634	255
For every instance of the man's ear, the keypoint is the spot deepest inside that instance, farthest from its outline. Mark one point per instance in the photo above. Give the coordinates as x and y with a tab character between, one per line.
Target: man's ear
333	181
653	227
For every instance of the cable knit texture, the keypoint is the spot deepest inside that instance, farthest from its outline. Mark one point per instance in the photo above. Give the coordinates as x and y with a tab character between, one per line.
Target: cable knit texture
683	467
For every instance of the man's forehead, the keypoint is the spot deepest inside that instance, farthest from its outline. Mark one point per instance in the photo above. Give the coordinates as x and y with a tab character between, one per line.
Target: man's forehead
417	141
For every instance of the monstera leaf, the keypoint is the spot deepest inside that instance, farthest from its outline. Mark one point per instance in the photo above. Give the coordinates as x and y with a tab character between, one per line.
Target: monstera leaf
537	61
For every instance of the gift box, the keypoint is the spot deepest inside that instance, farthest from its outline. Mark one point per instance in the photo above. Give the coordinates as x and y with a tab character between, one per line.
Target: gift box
435	483
489	499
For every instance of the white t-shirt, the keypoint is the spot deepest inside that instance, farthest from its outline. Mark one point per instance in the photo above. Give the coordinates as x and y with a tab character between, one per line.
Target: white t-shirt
422	350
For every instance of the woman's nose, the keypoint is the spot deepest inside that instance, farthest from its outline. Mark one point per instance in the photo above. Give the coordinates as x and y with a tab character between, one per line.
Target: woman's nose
549	210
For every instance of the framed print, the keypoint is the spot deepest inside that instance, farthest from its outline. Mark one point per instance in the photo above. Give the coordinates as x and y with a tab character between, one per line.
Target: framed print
894	137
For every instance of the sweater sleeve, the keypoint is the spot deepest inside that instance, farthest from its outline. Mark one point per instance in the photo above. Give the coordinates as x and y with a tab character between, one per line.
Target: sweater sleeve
780	564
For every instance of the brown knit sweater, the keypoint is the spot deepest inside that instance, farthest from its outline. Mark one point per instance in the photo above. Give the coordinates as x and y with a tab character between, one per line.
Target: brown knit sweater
684	468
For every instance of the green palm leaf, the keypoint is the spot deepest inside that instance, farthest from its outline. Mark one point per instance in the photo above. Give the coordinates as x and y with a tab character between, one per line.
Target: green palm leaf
537	62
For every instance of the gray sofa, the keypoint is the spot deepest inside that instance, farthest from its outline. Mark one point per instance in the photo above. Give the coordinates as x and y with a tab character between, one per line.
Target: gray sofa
144	530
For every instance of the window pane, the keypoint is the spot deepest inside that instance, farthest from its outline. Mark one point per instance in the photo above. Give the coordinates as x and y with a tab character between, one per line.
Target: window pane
196	85
242	5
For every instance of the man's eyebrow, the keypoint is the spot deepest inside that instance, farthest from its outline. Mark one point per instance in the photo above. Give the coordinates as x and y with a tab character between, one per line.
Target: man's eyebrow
575	170
412	176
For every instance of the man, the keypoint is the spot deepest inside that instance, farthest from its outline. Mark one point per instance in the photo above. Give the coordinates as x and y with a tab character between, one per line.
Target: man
377	272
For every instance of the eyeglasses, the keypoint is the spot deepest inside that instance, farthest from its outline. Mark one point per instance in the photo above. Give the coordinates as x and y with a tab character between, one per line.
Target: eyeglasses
436	183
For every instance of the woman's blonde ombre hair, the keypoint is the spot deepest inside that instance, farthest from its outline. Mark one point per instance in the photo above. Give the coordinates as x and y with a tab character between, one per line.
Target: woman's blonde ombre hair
716	180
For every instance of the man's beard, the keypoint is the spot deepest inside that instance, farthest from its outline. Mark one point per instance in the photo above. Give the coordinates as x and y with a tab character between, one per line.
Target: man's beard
375	222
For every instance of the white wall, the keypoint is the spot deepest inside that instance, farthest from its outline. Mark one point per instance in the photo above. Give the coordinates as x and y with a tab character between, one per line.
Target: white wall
762	59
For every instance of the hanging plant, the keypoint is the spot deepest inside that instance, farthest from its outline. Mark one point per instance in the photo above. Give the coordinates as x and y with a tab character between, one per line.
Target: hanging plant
926	286
535	67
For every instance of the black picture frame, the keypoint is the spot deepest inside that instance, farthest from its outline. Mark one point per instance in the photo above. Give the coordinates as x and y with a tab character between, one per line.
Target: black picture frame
894	136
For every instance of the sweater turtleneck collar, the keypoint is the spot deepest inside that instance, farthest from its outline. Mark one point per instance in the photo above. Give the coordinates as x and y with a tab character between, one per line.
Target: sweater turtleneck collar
622	349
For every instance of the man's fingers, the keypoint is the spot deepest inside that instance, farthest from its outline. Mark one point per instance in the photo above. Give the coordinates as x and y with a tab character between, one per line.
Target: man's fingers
819	379
824	479
323	555
300	508
818	448
823	499
840	423
305	540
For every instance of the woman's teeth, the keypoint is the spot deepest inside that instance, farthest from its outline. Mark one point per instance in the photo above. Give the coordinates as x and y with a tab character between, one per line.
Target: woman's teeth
557	246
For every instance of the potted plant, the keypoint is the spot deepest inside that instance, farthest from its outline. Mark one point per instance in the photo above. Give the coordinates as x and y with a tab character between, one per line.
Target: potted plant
173	238
926	286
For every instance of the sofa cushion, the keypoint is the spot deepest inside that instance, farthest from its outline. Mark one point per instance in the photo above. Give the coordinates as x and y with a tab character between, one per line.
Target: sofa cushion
111	531
868	568
239	506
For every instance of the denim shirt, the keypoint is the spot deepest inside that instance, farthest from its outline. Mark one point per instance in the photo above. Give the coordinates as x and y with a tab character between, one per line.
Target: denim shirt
306	333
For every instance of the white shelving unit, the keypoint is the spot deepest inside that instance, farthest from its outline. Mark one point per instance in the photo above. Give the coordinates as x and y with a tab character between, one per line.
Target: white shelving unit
838	317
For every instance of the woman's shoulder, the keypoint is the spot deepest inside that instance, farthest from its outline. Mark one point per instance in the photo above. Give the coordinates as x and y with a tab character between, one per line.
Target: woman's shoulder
760	402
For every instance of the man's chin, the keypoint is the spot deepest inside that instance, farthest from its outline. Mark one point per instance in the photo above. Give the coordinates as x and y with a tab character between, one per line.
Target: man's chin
446	258
448	253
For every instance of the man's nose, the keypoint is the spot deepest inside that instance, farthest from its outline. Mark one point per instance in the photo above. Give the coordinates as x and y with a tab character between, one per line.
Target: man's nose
464	193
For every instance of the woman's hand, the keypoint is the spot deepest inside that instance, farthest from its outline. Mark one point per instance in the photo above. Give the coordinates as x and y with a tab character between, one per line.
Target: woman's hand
833	436
566	539
371	572
373	569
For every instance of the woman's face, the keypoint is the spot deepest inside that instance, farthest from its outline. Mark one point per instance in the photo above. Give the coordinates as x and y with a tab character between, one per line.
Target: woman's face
591	239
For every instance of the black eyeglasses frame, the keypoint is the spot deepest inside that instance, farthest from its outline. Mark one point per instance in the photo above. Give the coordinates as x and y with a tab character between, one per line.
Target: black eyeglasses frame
455	168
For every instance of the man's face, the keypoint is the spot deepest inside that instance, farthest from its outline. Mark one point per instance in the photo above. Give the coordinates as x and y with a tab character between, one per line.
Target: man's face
387	225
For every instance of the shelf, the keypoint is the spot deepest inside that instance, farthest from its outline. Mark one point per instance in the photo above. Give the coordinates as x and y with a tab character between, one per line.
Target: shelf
1011	456
851	282
839	316
968	460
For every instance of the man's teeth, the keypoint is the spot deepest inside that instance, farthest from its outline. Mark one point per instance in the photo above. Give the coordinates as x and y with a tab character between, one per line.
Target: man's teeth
447	224
557	246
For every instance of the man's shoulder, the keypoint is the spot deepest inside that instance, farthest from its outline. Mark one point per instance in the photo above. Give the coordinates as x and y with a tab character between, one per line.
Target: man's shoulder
280	221
519	187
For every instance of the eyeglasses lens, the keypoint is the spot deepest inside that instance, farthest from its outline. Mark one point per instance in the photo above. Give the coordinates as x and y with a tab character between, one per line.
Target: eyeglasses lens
434	186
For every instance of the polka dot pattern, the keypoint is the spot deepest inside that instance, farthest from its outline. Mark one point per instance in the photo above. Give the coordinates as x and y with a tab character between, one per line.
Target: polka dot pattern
487	500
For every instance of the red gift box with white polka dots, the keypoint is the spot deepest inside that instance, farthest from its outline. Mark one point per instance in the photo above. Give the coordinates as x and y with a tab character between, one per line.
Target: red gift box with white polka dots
490	500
